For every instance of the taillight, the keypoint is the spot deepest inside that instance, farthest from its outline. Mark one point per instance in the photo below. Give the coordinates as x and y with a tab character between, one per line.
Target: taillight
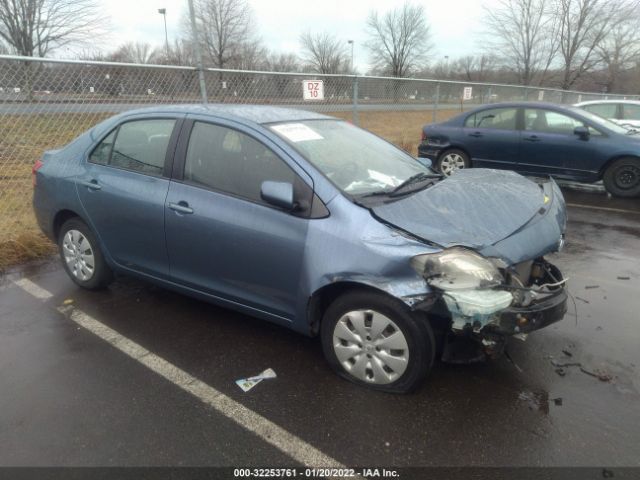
36	167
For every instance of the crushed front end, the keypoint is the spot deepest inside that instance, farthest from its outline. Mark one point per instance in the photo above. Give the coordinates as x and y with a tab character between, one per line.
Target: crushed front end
488	301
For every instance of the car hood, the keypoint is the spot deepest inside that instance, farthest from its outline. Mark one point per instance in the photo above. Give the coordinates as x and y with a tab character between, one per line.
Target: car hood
482	209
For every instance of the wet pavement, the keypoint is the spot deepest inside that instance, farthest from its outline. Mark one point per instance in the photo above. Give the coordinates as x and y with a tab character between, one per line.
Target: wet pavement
68	397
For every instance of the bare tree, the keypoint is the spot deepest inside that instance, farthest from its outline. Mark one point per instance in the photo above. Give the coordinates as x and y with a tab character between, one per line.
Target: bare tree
282	62
525	34
474	68
583	26
136	52
399	40
36	27
620	48
225	27
324	53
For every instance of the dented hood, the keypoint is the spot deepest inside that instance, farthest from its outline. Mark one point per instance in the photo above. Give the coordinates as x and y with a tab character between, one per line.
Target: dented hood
476	208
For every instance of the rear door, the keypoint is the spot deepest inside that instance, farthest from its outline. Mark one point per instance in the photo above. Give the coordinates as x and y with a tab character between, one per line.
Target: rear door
123	190
550	146
222	238
492	138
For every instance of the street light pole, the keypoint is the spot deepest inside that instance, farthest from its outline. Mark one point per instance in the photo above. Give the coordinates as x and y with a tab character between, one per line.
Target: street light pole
350	42
163	12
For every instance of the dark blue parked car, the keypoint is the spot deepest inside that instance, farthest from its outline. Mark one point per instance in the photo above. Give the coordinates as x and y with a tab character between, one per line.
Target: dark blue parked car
538	139
312	223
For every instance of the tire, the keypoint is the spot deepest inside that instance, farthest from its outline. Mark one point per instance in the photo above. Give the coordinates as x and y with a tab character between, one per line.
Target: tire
79	248
361	358
622	177
452	160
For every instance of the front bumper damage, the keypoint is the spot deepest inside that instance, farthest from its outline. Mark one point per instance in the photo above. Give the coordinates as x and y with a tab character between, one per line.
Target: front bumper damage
517	308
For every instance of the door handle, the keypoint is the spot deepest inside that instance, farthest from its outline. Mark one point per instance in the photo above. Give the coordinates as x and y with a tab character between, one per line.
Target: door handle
90	184
181	207
476	134
532	138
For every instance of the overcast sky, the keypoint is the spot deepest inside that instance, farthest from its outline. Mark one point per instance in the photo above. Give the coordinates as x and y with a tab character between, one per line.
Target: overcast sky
454	23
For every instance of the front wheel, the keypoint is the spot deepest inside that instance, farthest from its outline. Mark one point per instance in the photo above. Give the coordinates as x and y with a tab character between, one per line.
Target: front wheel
375	341
451	161
82	257
622	178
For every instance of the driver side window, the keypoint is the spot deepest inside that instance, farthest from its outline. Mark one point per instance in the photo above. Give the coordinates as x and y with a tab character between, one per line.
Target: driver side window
230	161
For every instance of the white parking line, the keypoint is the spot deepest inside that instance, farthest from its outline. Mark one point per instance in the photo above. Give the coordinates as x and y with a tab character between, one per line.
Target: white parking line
606	209
286	442
33	289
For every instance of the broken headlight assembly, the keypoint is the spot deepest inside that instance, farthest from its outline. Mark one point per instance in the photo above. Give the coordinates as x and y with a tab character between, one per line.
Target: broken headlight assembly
467	280
457	269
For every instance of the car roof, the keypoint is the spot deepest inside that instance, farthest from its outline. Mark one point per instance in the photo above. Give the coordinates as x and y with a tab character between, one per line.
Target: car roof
250	113
595	102
549	105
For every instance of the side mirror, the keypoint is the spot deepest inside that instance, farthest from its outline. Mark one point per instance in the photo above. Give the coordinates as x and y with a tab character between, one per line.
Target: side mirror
425	161
582	132
279	194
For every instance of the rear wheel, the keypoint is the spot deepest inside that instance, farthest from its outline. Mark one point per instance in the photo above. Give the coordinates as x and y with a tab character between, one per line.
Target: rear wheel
622	178
82	257
375	341
451	161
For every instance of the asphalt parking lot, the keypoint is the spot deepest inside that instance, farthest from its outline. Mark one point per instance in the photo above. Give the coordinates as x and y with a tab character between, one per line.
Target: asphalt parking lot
137	375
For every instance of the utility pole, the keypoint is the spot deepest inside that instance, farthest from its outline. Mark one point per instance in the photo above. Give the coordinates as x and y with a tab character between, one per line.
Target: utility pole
198	53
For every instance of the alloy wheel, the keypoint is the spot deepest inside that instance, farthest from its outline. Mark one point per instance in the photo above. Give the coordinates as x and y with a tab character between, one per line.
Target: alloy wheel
450	163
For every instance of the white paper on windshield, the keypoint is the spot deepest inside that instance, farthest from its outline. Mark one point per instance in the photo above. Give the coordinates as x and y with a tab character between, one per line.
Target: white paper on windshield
297	132
381	177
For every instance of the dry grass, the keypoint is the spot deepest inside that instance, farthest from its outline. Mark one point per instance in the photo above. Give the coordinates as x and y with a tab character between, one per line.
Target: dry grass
23	138
400	128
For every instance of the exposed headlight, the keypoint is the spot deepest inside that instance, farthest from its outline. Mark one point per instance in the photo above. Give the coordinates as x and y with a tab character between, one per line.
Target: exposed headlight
457	269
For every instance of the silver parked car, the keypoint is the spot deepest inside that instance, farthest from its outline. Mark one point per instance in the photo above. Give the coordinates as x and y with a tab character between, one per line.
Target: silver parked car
623	112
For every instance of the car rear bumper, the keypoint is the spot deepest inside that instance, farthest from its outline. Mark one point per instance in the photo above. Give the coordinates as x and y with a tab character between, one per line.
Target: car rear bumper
429	151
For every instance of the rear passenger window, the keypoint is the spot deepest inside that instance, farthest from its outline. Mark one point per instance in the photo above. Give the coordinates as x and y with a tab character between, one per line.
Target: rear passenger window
141	146
605	110
101	153
496	118
224	159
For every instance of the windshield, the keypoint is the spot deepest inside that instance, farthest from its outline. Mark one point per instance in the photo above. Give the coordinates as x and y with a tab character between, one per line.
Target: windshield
355	160
603	122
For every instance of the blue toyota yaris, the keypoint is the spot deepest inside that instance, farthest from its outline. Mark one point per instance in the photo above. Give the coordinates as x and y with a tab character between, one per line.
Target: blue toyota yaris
535	138
312	223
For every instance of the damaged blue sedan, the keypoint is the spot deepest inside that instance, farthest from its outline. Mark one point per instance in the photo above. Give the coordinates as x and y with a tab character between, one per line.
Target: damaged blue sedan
312	223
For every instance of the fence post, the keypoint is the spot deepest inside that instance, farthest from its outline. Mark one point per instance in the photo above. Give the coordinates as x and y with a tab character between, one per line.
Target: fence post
354	97
436	100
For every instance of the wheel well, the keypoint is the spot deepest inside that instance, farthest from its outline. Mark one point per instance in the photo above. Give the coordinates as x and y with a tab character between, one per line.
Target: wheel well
611	160
323	297
455	147
61	217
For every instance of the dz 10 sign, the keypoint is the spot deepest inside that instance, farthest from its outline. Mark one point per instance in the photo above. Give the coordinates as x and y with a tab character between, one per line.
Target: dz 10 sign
312	90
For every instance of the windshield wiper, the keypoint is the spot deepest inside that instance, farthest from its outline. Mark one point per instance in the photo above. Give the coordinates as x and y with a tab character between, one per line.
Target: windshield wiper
414	179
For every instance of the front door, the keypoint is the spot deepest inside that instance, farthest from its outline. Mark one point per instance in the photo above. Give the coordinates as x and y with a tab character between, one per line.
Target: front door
550	146
222	238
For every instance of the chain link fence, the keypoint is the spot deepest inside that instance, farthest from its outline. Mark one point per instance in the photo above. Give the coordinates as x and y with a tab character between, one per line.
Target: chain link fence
45	103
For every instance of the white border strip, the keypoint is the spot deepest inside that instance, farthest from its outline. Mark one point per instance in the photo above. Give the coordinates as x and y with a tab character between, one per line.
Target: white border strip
33	289
286	442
